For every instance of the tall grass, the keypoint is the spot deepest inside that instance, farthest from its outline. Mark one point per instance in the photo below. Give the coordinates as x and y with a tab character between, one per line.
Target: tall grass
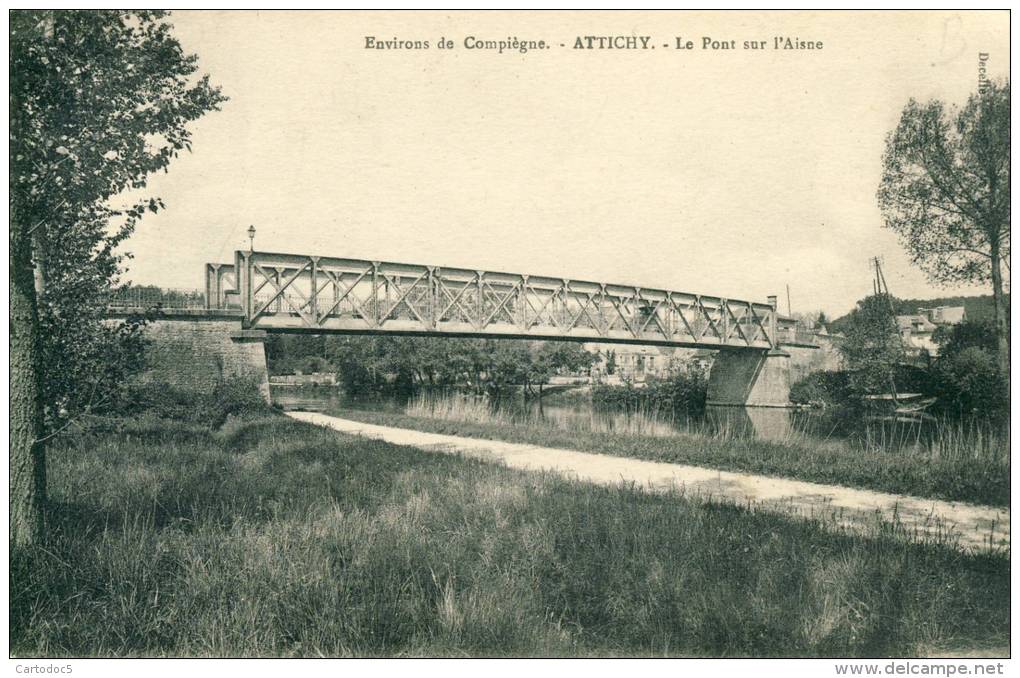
273	538
457	407
642	419
956	461
942	439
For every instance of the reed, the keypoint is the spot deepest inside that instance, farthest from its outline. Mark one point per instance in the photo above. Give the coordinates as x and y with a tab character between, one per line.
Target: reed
456	407
953	461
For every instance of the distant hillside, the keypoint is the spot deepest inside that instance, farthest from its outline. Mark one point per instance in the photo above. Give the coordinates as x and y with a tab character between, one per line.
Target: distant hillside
978	307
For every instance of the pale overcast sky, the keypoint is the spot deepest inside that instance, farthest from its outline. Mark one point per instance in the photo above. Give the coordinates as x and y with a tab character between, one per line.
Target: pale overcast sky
719	172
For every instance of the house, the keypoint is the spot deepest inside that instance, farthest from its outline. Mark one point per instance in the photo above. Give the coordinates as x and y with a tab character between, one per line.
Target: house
945	315
916	333
917	330
637	363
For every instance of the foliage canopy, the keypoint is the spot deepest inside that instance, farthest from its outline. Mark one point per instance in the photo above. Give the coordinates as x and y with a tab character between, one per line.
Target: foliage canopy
100	100
945	190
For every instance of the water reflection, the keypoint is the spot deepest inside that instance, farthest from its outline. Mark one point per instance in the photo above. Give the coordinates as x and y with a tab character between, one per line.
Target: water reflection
325	399
764	423
772	424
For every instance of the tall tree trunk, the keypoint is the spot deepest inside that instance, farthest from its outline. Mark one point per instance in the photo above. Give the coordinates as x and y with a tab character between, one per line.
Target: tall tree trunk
1001	324
38	266
27	456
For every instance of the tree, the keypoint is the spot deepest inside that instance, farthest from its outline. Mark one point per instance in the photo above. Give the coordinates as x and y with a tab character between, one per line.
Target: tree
99	100
611	362
508	363
872	348
953	339
967	380
552	357
945	191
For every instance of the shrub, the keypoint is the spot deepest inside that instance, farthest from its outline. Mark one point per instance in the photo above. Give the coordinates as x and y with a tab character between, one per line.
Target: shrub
914	379
823	389
952	339
969	384
86	363
680	391
236	397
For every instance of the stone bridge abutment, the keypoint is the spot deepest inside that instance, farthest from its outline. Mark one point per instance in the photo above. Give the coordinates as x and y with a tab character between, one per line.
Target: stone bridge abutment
199	350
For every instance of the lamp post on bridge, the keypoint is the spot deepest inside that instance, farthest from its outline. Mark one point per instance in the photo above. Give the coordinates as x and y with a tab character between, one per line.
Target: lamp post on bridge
774	321
244	277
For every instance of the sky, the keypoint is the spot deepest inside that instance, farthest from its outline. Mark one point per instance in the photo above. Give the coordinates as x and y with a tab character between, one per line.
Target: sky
723	172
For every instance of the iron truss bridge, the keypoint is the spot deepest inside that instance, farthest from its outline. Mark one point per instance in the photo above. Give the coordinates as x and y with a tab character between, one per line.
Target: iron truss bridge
298	293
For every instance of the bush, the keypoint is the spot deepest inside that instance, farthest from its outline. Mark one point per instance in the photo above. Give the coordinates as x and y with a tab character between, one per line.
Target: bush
914	379
969	384
966	377
952	339
822	389
86	363
238	397
680	392
835	389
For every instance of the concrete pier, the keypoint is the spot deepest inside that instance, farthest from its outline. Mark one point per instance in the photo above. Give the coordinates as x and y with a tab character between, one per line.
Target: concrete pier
743	378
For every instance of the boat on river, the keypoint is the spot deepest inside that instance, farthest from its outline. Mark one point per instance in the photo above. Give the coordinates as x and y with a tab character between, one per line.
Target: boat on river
899	406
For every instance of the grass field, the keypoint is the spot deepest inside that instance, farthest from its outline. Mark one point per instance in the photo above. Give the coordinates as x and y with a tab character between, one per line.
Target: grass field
958	465
271	537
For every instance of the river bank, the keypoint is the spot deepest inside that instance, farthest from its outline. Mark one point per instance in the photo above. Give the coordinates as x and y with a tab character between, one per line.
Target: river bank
271	537
966	526
957	468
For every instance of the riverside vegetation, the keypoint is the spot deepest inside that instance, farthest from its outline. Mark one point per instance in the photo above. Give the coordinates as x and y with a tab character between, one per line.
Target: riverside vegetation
233	531
960	461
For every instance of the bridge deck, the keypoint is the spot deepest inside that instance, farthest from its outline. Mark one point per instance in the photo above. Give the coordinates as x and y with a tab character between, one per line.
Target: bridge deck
298	293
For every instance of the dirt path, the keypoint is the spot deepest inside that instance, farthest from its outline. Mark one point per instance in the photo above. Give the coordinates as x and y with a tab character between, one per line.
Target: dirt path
976	526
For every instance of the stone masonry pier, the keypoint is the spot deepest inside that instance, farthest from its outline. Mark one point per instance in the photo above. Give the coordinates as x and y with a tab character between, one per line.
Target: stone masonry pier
198	349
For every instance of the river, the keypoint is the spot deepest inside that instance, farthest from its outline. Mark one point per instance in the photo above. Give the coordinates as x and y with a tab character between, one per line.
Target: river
579	414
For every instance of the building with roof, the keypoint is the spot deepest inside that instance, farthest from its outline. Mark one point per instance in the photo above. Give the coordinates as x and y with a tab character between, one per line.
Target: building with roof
636	363
917	330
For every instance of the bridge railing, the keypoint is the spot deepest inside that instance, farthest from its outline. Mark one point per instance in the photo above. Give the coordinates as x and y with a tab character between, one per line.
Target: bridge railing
147	297
797	336
221	287
288	292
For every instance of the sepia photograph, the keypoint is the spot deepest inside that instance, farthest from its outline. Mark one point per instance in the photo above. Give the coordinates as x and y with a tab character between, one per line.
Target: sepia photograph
509	334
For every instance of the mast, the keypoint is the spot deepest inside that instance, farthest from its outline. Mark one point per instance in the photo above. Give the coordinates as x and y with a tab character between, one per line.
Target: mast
880	286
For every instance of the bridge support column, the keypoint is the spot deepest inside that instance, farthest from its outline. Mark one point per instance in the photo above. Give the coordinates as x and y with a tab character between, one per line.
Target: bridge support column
746	378
198	351
249	349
